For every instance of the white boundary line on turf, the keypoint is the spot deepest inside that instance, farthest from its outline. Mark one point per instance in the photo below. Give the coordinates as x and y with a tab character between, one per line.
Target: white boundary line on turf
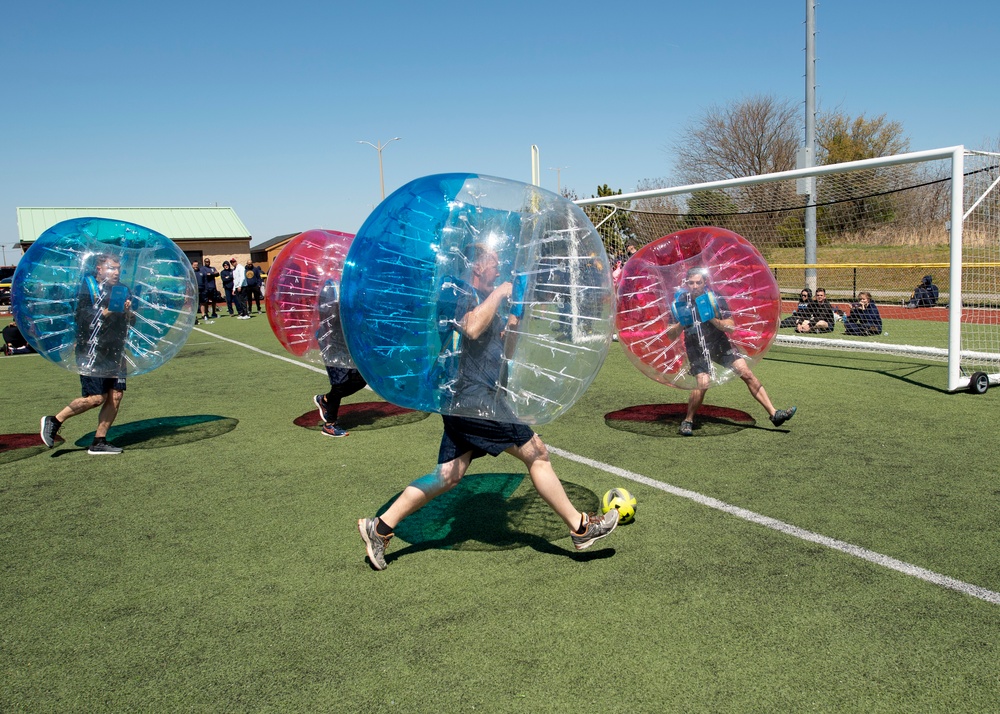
260	351
857	551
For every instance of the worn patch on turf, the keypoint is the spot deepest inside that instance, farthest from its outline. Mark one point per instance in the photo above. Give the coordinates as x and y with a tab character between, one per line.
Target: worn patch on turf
14	447
665	419
165	431
362	416
489	512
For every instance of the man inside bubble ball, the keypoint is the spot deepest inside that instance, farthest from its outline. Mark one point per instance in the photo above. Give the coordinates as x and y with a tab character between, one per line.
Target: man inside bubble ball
103	316
705	340
482	329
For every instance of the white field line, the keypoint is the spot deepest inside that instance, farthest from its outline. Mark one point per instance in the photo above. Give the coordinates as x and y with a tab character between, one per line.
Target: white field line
854	550
857	551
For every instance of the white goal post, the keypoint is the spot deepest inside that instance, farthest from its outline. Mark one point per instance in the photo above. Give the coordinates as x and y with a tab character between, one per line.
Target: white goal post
930	212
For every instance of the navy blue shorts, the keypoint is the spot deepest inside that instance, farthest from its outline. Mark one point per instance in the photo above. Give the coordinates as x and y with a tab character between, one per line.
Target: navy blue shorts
480	436
100	385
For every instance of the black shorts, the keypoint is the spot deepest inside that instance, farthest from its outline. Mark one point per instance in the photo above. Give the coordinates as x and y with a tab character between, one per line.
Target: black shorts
480	436
699	363
92	386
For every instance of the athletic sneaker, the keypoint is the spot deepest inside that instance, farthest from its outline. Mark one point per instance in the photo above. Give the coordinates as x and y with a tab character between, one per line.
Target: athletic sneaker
104	448
333	430
50	427
597	528
375	543
319	401
687	428
782	415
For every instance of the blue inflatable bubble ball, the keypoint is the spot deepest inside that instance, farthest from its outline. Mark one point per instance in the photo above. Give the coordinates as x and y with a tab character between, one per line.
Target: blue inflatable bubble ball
477	296
104	298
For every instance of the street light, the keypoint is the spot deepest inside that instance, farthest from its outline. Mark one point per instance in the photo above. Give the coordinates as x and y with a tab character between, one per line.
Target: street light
379	148
558	170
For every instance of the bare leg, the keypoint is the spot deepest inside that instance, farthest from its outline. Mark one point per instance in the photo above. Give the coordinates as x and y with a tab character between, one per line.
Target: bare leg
426	488
697	396
80	405
108	412
754	385
536	457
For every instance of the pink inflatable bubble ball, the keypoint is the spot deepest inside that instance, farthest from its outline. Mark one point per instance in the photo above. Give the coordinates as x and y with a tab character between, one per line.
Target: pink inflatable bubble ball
730	279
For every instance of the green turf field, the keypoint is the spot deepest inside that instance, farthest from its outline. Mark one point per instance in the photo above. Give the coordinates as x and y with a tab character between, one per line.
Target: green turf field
216	565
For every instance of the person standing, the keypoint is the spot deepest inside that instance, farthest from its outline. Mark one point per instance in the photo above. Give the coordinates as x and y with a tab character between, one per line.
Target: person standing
210	274
103	317
707	341
239	283
344	381
227	285
251	290
464	439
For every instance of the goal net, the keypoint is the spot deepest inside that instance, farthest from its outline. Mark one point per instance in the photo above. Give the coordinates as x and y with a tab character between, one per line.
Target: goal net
881	226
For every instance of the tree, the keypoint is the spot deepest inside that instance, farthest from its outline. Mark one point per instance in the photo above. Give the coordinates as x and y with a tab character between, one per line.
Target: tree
839	138
754	136
613	223
859	201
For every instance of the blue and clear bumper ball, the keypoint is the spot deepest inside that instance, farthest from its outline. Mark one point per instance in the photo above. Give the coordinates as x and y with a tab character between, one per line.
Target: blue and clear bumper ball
104	298
409	278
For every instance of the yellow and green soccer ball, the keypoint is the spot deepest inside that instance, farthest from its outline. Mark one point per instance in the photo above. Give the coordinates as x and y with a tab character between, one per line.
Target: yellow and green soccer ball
622	501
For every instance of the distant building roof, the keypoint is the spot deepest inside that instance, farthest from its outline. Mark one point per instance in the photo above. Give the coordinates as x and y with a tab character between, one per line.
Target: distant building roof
264	245
178	224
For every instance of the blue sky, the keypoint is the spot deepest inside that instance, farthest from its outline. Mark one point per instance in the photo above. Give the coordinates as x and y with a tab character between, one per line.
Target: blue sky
259	106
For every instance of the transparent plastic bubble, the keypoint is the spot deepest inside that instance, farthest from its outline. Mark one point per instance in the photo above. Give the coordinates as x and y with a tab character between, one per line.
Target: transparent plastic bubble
653	295
303	297
410	278
105	298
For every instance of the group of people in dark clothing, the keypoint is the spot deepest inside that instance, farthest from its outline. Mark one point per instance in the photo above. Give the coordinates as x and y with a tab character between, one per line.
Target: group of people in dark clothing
242	285
817	315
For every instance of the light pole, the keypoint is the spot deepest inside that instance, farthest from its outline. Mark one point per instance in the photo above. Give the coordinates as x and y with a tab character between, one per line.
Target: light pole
558	170
379	148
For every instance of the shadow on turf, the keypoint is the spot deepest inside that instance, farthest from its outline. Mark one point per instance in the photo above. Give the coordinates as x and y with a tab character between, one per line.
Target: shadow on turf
493	512
364	416
663	420
160	433
14	447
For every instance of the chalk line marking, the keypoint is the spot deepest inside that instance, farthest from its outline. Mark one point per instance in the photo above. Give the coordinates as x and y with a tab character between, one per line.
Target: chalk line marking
858	552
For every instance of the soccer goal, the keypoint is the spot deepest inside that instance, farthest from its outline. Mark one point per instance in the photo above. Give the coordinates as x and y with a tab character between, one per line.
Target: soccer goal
881	226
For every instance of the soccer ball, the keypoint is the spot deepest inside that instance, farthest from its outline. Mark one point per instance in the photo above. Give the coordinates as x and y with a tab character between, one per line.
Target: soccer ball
622	501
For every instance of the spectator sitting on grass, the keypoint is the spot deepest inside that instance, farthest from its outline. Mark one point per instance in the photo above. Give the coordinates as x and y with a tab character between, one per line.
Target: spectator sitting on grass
802	311
864	318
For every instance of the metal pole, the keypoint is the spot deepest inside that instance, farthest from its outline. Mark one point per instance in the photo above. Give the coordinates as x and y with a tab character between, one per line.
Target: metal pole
810	147
378	148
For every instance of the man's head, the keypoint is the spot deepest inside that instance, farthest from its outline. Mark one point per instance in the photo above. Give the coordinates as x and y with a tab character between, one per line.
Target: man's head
225	264
195	265
108	269
820	295
485	266
208	262
696	281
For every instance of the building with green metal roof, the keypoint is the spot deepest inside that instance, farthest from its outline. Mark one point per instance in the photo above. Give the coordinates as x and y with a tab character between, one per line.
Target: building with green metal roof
209	232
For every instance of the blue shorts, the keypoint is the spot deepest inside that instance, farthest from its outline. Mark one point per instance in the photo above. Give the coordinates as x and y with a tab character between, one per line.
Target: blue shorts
480	436
100	385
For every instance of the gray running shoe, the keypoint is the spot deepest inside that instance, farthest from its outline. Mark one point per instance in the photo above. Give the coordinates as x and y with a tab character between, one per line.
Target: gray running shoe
687	428
375	543
104	448
50	427
782	415
597	528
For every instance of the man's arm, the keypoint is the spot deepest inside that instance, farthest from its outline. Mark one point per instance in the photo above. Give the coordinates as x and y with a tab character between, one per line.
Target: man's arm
476	320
